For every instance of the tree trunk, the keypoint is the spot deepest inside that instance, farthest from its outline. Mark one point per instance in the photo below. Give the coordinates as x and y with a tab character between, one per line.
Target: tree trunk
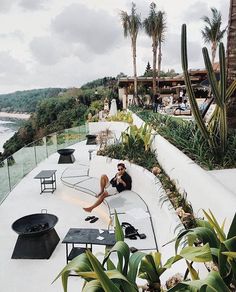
213	52
135	73
159	61
231	62
154	73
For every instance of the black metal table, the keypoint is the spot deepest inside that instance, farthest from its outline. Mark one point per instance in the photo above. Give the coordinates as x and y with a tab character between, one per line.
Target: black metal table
47	180
87	236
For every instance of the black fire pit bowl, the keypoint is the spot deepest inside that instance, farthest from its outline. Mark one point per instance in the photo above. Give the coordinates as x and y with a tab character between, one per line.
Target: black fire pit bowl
37	237
34	224
66	155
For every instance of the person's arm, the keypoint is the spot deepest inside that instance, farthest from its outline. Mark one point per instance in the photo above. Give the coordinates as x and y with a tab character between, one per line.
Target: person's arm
126	182
114	181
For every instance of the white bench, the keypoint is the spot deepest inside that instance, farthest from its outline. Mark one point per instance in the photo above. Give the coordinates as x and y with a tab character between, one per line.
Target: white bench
161	224
146	194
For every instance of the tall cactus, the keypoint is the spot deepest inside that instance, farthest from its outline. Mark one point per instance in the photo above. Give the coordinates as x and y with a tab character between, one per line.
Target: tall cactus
216	131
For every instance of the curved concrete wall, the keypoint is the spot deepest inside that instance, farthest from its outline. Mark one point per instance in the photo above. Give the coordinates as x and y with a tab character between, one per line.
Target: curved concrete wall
115	127
165	221
203	190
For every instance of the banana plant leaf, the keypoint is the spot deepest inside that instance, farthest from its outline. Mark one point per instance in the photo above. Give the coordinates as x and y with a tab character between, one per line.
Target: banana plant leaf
213	283
230	254
171	261
79	264
110	264
230	244
203	223
118	279
151	268
179	238
197	253
204	234
213	222
232	229
106	283
223	266
194	274
93	286
123	252
119	234
134	262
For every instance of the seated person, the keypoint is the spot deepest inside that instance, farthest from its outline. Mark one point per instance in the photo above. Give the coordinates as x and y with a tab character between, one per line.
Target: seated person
120	182
182	107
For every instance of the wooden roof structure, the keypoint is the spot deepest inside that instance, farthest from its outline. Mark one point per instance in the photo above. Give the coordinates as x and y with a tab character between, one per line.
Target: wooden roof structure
197	76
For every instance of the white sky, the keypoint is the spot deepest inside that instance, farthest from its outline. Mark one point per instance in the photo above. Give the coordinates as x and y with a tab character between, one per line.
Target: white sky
66	43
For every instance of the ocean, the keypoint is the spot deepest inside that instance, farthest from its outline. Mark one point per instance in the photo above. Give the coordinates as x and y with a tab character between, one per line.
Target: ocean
8	126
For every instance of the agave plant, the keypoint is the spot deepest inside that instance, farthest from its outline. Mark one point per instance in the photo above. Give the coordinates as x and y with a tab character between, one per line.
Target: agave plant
223	247
216	131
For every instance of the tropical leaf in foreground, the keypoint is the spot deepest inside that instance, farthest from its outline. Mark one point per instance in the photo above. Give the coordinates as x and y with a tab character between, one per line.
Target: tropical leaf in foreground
213	283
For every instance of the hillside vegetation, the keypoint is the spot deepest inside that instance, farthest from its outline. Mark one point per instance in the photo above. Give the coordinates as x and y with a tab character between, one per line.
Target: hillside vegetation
26	101
54	109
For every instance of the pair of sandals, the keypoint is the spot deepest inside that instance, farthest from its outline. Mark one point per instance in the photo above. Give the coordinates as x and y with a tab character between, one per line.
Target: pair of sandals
91	219
131	232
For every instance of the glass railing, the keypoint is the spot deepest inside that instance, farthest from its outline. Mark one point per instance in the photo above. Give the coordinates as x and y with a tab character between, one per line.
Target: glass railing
15	167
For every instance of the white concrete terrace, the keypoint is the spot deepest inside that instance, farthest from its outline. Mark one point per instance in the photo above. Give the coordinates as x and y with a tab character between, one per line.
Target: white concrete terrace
67	204
215	190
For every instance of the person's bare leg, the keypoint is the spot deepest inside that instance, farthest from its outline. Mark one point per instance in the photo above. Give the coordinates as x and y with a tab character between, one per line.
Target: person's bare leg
103	182
98	202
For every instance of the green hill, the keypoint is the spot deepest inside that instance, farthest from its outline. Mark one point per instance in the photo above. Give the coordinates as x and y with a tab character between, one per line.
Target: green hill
26	101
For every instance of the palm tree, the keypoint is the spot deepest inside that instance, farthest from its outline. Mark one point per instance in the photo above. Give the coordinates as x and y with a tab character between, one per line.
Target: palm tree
231	62
211	33
131	25
155	26
161	31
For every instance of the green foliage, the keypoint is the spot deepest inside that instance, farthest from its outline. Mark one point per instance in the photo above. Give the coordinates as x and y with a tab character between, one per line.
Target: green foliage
118	276
57	114
212	33
52	115
215	133
138	156
95	107
26	101
121	275
105	81
138	138
135	147
222	246
121	116
186	136
212	283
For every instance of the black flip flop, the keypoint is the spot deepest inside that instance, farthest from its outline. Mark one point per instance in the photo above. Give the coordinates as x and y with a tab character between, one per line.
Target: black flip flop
89	218
94	220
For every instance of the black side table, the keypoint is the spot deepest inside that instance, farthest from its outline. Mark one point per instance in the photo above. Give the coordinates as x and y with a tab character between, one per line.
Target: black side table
86	236
66	155
47	180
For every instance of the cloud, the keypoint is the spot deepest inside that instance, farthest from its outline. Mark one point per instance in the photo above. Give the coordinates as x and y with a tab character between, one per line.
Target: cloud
32	4
171	52
16	34
195	12
11	69
5	5
97	30
48	50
